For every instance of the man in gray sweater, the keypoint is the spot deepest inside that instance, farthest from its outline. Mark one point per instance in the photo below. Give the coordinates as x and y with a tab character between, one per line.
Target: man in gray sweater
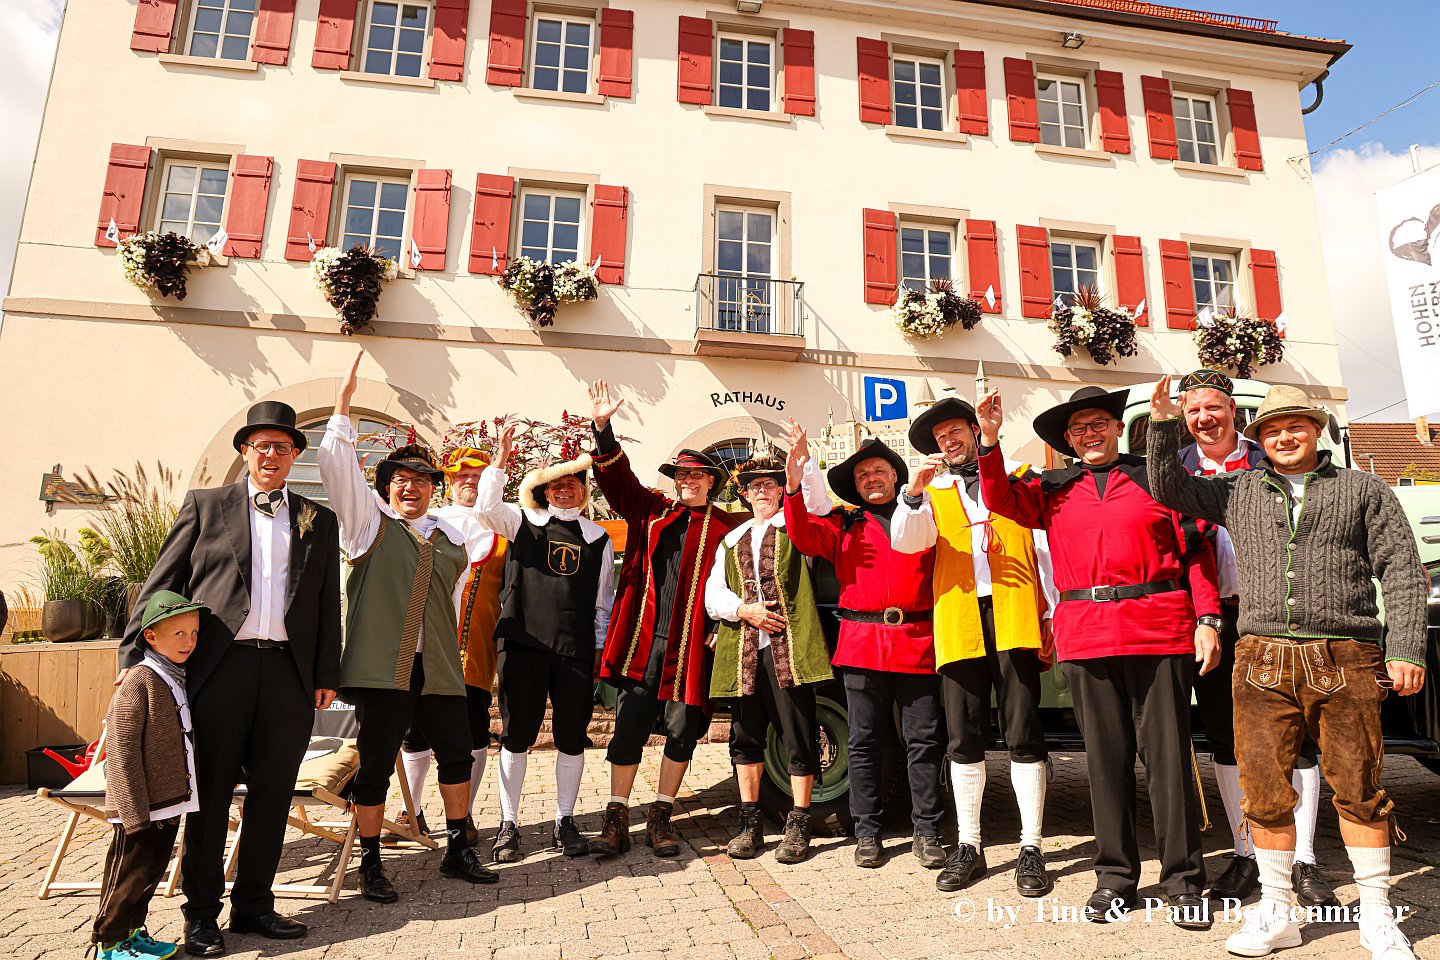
1313	656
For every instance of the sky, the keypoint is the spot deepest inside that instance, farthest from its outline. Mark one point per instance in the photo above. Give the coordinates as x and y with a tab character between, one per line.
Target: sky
1393	59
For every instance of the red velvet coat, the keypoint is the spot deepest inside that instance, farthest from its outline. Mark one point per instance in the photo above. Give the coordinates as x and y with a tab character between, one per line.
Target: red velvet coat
647	513
873	576
1123	537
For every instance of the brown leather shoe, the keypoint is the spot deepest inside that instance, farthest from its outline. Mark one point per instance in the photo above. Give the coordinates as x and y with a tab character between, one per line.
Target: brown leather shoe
660	833
472	832
614	836
403	820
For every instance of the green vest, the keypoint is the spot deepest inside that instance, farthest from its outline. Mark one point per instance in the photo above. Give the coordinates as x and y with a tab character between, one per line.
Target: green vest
378	597
809	656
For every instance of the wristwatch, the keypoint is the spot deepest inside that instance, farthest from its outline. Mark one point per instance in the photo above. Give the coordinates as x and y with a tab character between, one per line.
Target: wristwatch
1210	621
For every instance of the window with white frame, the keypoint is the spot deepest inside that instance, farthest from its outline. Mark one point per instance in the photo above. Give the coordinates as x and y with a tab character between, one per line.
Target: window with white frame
1074	266
550	225
1063	118
745	265
561	55
927	253
394	38
192	199
745	72
1214	275
376	439
1196	132
221	29
918	85
375	214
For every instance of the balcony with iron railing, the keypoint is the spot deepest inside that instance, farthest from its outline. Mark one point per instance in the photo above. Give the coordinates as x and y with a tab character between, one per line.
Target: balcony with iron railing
752	317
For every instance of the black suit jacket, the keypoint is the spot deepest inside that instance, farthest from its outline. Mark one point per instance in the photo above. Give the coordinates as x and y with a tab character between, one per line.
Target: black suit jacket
206	557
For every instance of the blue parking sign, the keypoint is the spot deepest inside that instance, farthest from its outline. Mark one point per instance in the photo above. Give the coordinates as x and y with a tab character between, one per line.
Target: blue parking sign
885	399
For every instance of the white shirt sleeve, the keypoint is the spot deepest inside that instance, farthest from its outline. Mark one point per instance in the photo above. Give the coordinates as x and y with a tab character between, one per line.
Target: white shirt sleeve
913	530
491	510
720	601
351	496
605	599
812	489
1047	572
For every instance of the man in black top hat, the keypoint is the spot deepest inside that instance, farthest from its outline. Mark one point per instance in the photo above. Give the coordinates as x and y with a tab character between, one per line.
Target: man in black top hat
266	562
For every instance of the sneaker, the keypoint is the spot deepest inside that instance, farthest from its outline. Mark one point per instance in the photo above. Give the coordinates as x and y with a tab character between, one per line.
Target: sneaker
795	845
146	945
567	837
869	852
506	848
1031	877
124	950
928	851
1382	937
1267	928
962	868
748	843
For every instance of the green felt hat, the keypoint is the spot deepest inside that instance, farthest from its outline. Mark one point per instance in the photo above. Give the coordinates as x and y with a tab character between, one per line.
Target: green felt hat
164	604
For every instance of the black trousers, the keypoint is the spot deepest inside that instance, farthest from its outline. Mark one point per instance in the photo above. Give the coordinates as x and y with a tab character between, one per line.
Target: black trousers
1014	676
639	712
529	676
385	715
134	867
1129	705
792	710
252	724
873	698
477	706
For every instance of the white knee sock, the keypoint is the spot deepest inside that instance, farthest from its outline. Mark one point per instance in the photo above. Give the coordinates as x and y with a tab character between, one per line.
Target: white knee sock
477	773
1275	866
968	781
417	767
1372	877
1029	782
1306	781
512	783
1227	778
568	769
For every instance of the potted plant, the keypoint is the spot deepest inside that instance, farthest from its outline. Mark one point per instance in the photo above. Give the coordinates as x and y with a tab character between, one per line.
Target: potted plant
923	314
156	262
1106	333
351	283
73	583
539	287
1229	341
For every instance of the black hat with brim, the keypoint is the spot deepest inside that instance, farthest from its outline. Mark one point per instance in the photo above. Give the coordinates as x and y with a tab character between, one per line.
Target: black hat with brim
759	469
842	475
411	457
1051	425
922	428
688	459
270	415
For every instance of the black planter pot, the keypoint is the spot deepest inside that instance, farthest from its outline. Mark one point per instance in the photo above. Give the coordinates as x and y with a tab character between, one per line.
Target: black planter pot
66	621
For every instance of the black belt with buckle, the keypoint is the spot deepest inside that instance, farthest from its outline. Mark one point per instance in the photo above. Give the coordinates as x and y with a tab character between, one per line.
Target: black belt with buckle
1128	591
266	644
890	616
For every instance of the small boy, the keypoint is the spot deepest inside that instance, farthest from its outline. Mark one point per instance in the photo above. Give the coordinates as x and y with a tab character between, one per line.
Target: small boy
149	777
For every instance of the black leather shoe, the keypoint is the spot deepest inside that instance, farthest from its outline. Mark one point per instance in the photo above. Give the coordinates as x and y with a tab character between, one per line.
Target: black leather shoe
464	864
567	837
203	938
506	848
1190	911
964	867
1106	903
868	852
374	885
1031	877
929	852
1240	879
270	925
1311	890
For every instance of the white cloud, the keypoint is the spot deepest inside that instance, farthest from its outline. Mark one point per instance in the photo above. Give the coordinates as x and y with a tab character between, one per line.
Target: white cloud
1345	185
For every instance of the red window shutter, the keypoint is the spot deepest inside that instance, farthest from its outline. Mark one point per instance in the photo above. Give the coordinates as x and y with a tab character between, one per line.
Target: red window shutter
982	255
310	208
1114	121
1247	133
1020	97
609	216
1265	276
447	42
1179	286
1159	117
694	59
617	45
799	56
1130	276
970	84
154	25
124	195
334	33
506	66
881	256
490	228
874	66
432	218
249	198
1036	294
274	23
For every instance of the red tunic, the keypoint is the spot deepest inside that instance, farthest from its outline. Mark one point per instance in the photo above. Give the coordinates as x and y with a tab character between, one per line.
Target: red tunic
873	576
647	513
1122	537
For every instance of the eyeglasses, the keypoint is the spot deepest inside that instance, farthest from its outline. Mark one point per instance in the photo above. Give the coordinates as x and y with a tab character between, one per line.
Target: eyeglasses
266	447
691	474
1096	426
762	486
411	482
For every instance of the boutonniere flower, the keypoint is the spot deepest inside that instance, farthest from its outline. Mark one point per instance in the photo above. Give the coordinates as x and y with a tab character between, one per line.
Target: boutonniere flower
306	520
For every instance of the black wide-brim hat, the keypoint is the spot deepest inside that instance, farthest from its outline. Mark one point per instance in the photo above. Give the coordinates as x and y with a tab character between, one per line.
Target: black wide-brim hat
1051	425
270	415
922	428
410	457
688	459
842	475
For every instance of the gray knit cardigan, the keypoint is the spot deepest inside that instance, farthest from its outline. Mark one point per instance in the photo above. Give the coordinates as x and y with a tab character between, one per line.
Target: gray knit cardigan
1311	579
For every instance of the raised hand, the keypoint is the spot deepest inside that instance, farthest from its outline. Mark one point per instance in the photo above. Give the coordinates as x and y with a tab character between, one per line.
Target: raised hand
991	417
932	465
507	443
347	387
1161	406
798	456
602	408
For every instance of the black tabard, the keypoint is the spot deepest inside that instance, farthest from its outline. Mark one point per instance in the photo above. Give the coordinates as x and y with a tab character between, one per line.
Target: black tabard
552	579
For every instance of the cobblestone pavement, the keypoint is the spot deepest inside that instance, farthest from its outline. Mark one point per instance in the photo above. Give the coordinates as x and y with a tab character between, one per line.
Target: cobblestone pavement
701	905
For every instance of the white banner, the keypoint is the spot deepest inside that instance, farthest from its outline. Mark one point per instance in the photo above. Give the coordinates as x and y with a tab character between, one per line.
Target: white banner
1410	236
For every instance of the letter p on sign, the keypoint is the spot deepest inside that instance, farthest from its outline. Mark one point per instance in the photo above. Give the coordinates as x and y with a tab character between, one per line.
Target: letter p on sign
885	399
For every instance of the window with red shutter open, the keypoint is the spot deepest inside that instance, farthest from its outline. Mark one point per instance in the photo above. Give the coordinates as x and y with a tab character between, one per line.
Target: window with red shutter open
1179	291
879	240
249	200
506	64
334	34
274	27
1114	120
1020	99
448	40
310	209
490	224
873	57
694	63
982	257
799	53
123	198
608	225
1034	253
617	41
154	25
1130	277
1243	124
1159	117
1265	279
431	224
974	103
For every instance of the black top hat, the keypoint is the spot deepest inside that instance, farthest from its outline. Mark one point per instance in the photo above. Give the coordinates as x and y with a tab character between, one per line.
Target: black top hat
688	459
842	475
1052	424
922	428
270	415
409	457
